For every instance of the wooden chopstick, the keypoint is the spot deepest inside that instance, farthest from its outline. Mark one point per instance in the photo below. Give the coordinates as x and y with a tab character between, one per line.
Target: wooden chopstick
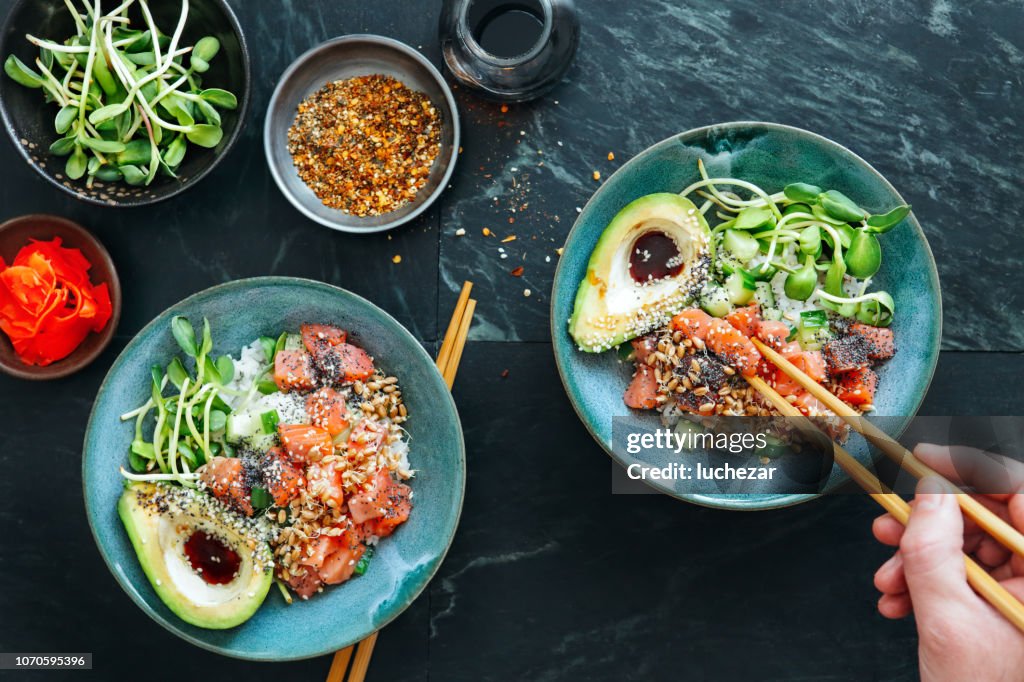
459	344
983	583
339	664
364	650
453	326
1003	532
448	358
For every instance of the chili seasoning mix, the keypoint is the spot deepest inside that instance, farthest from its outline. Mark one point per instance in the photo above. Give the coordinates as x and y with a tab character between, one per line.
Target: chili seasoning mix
365	145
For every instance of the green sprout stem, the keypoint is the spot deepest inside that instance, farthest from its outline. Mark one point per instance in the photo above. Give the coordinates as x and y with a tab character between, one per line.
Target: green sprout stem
152	478
79	24
90	60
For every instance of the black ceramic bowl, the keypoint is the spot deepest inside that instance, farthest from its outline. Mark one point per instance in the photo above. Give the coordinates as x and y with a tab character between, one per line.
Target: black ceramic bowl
28	119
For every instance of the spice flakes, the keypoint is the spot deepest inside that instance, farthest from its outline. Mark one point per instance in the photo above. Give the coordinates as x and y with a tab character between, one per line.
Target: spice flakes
365	145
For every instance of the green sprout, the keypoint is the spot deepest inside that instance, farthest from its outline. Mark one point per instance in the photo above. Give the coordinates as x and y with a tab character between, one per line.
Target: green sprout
129	104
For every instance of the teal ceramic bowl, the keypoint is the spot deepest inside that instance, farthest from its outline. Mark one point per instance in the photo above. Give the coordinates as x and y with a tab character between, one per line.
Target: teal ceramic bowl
404	564
771	156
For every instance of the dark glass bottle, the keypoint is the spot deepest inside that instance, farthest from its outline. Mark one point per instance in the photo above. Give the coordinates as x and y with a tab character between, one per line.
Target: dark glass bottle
510	50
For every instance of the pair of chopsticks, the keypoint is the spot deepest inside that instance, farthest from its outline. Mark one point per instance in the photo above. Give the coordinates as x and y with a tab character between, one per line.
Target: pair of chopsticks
448	359
983	583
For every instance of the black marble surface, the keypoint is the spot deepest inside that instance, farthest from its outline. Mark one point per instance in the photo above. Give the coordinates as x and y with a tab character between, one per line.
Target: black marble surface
551	577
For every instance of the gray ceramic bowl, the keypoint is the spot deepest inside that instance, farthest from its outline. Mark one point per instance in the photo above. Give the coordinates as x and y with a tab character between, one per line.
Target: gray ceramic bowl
347	57
29	120
771	156
404	563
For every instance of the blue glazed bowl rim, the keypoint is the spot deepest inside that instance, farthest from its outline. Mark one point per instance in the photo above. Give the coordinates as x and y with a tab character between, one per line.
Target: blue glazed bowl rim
122	358
742	502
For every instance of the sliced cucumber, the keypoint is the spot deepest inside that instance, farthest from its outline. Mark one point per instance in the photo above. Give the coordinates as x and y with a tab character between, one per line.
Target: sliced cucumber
773	314
812	331
685	426
293	342
740	287
242	425
773	448
715	300
740	244
764	295
261	442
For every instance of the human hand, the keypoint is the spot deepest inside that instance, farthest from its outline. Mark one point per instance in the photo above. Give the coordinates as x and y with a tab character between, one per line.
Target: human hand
960	636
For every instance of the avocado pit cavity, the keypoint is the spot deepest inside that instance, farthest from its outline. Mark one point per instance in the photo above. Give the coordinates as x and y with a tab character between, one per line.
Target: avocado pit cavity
214	561
654	256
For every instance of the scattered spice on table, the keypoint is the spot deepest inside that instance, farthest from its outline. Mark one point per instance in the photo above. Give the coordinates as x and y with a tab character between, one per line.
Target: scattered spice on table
504	374
396	259
517	271
365	145
48	305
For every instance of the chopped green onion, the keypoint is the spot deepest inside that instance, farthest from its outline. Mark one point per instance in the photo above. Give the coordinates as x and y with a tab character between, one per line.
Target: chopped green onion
270	421
261	499
364	561
266	387
626	352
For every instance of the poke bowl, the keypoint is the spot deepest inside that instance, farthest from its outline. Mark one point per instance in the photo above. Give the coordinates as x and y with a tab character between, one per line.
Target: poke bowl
309	512
685	253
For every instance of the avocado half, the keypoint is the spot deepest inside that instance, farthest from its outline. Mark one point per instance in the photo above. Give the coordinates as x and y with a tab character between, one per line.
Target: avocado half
160	520
613	304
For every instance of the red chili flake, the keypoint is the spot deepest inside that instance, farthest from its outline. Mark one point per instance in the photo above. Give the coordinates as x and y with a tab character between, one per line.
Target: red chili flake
504	374
517	271
365	145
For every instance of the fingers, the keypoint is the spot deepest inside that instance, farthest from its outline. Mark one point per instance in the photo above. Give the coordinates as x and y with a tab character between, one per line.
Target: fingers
1014	586
1015	507
932	553
887	530
993	475
989	552
895	606
939	459
890	578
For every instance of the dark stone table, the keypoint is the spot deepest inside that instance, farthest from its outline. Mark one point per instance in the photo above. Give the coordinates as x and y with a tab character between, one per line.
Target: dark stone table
551	577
